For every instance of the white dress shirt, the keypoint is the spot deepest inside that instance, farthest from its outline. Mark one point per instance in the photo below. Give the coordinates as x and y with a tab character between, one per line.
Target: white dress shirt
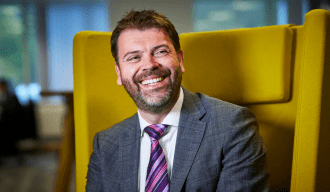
167	141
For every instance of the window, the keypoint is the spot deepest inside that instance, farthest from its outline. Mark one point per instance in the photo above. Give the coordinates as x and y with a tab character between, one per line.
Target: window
18	44
64	20
282	12
220	15
225	14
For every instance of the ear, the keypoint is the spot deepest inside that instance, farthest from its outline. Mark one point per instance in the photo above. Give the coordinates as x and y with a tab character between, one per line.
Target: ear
181	59
118	74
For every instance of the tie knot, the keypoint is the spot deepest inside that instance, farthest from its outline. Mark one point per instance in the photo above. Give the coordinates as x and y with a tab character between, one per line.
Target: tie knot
155	130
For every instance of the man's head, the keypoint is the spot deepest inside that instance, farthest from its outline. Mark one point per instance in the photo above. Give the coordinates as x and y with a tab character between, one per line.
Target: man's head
148	64
142	20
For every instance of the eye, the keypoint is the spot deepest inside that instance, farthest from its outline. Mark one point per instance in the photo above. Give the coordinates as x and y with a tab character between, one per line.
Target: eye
161	52
134	58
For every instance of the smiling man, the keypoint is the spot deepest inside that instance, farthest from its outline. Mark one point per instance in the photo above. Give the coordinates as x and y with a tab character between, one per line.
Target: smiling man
151	70
178	140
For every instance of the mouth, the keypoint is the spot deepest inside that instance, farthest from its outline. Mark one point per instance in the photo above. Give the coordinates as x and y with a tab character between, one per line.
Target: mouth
152	81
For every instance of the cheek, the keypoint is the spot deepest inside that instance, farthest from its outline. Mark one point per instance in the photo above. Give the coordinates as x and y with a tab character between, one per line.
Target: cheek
169	62
132	71
128	73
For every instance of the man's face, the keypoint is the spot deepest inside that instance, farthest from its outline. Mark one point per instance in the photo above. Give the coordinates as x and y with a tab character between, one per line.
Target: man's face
149	68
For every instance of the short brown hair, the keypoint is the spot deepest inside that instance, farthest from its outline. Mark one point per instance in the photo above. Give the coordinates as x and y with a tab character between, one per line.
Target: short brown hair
142	20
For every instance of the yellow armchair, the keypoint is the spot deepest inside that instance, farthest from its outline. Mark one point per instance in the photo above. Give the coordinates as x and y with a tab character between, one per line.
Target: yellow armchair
282	73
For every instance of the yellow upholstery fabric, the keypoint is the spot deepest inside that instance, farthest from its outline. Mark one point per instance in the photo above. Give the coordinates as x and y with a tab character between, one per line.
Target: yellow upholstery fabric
276	71
242	66
311	160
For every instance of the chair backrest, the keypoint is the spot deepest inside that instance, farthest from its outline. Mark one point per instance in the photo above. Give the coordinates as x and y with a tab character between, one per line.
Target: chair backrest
279	72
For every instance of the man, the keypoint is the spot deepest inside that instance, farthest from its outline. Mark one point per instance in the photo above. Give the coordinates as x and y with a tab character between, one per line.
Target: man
178	140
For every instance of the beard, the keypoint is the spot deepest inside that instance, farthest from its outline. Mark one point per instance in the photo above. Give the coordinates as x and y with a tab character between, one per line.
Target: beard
151	100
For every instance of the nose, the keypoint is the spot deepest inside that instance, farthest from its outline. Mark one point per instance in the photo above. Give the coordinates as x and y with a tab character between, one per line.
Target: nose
150	63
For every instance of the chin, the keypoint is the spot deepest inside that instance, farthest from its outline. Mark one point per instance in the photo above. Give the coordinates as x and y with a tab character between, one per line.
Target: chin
155	105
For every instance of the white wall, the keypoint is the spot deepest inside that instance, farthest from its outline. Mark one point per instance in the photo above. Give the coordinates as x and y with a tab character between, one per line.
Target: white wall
179	12
50	114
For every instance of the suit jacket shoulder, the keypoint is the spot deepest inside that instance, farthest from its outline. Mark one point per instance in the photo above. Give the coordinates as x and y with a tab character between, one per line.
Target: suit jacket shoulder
214	111
224	112
119	131
113	165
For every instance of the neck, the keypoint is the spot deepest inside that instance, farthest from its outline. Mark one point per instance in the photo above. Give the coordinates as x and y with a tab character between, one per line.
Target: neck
154	118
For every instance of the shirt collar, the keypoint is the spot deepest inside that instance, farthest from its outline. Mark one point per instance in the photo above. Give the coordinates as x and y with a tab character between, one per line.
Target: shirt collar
172	118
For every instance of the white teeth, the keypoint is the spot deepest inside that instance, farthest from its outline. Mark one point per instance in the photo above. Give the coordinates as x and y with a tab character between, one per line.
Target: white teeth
151	81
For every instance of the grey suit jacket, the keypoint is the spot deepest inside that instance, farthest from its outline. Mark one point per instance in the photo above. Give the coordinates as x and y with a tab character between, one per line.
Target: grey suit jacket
218	148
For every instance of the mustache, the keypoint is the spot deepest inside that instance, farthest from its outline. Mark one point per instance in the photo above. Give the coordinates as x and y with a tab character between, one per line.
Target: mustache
156	72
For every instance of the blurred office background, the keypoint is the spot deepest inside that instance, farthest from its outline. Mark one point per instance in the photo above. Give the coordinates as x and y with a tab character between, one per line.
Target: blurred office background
36	58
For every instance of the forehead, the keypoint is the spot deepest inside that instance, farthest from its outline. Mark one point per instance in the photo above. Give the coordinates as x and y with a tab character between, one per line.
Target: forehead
131	39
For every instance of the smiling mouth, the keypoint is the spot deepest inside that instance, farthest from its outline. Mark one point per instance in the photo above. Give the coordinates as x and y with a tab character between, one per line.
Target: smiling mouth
152	81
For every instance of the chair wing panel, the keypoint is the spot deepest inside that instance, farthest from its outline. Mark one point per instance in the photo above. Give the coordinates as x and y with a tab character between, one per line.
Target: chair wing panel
241	66
96	95
311	168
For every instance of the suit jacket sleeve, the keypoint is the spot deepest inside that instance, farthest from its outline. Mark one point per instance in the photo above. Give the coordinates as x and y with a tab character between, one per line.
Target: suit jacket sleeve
94	170
244	165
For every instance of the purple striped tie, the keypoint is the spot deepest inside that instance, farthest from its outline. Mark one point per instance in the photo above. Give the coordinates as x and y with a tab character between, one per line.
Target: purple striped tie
157	179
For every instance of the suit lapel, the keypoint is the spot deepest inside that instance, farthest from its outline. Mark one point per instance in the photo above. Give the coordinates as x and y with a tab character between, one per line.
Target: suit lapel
130	153
190	134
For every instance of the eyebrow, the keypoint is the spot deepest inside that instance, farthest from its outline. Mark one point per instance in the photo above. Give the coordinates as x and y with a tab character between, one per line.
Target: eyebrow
159	46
